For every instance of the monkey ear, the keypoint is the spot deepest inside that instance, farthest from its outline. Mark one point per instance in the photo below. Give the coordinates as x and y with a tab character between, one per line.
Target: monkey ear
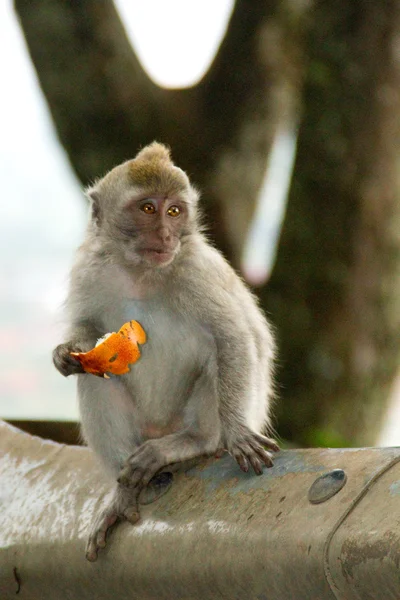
194	196
95	206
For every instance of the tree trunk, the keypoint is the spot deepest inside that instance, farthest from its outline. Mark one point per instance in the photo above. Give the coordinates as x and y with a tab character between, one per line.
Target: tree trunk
105	107
335	289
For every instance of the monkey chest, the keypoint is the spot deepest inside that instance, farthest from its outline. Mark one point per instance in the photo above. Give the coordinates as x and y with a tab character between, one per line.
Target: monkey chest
176	350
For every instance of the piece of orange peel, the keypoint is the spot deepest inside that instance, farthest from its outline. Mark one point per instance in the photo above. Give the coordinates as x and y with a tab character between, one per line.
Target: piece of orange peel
114	352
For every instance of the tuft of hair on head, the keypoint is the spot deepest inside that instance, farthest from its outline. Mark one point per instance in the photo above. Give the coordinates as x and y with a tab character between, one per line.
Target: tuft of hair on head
153	170
155	152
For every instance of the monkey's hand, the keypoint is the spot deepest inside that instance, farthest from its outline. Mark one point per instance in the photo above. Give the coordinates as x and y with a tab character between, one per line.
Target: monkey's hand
64	362
246	447
142	465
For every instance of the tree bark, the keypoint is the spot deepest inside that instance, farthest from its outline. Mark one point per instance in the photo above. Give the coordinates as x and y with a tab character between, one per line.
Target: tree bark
105	107
335	289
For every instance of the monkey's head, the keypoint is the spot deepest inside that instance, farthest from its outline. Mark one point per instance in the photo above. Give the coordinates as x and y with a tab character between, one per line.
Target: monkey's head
146	206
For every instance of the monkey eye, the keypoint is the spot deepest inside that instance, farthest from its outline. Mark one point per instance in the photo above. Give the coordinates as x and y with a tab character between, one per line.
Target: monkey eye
148	208
173	211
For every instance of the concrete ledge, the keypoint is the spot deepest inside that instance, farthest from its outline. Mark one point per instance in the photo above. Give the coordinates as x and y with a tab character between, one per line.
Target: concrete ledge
218	533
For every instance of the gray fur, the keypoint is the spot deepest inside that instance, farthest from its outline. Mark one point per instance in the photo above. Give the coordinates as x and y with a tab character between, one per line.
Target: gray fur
205	375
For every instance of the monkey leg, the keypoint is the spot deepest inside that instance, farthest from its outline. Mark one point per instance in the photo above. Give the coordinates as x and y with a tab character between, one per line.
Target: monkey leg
200	437
123	506
157	454
109	422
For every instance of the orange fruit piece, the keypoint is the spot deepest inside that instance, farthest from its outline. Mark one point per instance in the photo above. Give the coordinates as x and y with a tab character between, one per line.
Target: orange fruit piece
115	353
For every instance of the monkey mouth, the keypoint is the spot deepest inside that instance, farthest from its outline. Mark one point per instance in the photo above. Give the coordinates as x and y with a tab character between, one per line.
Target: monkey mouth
158	255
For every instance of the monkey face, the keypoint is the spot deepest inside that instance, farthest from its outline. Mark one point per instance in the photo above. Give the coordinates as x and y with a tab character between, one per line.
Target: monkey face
144	208
156	226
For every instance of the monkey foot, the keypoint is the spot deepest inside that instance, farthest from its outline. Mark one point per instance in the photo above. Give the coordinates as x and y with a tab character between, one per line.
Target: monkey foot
157	487
97	538
124	506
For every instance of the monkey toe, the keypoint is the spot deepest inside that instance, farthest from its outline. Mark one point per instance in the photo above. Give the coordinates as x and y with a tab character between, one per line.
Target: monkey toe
101	539
98	536
132	514
91	553
93	547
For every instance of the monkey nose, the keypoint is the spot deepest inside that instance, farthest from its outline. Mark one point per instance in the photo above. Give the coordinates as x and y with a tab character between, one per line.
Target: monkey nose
164	234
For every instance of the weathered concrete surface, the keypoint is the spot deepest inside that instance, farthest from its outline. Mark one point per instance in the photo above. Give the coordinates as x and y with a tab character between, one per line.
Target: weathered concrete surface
218	533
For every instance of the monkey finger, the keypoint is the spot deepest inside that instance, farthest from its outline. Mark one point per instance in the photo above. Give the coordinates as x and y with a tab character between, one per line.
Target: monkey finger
131	476
138	457
145	475
256	464
268	442
71	360
71	366
263	455
137	478
125	477
242	461
148	476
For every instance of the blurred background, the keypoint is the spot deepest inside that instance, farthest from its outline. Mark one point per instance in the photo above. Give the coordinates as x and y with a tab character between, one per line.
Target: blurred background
285	114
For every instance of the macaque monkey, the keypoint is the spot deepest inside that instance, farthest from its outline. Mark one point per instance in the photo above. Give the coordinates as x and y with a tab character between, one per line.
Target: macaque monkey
203	381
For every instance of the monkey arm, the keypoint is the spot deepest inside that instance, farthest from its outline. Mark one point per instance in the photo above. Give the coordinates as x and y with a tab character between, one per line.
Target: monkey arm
200	435
219	300
237	380
85	333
